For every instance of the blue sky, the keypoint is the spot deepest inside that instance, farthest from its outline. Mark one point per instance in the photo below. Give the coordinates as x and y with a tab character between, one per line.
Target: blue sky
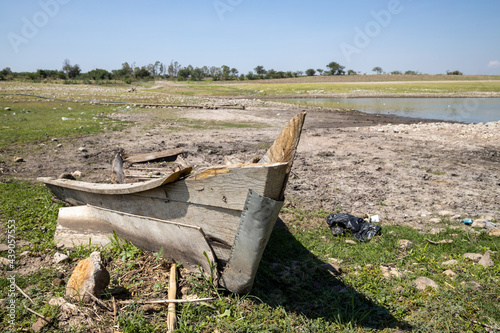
422	35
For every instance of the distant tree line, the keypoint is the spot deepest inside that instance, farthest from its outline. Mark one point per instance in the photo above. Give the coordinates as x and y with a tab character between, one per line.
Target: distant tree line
129	73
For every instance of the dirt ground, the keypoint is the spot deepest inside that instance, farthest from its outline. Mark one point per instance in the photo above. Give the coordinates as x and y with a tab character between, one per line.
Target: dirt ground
407	171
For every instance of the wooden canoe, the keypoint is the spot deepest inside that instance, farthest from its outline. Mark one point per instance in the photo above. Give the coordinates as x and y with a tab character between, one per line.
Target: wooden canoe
225	213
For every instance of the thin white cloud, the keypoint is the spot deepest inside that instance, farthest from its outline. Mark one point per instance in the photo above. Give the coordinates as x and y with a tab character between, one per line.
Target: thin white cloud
494	64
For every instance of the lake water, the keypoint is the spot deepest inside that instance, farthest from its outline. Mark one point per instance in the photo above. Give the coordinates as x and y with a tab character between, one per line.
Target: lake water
467	110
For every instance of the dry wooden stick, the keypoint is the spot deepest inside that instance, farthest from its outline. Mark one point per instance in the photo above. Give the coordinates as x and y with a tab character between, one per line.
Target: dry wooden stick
160	301
172	294
23	293
48	320
98	301
114	308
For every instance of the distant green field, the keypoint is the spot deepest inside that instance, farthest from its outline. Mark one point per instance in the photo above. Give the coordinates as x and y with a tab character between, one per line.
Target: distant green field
266	89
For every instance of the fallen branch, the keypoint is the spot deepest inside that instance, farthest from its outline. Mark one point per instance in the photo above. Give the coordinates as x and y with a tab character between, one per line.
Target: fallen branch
444	241
162	301
24	294
98	301
48	320
114	308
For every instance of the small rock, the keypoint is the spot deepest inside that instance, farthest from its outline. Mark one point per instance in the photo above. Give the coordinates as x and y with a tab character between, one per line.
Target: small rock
59	145
59	257
64	306
473	256
449	262
57	282
25	253
486	260
77	174
89	275
334	269
66	176
388	271
39	324
335	261
494	232
83	149
4	261
478	224
18	159
449	273
60	275
350	242
476	286
435	231
435	220
422	282
7	109
54	139
4	247
405	244
446	213
369	266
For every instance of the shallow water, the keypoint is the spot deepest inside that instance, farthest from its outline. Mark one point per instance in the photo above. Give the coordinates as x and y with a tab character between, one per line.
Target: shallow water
467	110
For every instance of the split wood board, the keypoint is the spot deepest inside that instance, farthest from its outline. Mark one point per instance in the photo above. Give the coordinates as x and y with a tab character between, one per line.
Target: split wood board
180	242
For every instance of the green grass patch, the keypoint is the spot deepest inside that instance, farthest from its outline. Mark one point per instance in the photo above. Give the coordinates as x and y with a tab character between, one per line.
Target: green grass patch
33	122
277	89
33	211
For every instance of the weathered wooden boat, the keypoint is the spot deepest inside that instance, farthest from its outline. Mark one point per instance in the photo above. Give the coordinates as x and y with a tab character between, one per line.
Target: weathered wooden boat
225	213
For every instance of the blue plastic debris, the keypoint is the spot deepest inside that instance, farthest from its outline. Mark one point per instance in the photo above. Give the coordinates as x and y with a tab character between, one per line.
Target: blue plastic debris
469	221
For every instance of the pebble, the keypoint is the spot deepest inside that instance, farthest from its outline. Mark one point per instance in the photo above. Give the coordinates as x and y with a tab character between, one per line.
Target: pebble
18	159
449	262
435	231
422	282
350	242
473	256
388	271
83	149
435	220
486	260
494	232
405	244
449	273
446	213
4	261
334	269
59	257
77	174
4	247
478	224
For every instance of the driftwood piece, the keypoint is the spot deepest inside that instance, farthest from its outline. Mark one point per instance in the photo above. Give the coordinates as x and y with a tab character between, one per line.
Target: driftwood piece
166	155
117	172
172	294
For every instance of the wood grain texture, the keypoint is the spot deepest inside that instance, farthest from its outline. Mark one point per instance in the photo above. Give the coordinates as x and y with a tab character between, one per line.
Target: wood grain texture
181	242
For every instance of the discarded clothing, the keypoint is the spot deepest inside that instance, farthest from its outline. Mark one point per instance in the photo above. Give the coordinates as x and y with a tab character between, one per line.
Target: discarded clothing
360	229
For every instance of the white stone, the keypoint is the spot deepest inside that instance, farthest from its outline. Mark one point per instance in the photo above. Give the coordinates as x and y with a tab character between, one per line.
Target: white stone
422	282
59	257
473	256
